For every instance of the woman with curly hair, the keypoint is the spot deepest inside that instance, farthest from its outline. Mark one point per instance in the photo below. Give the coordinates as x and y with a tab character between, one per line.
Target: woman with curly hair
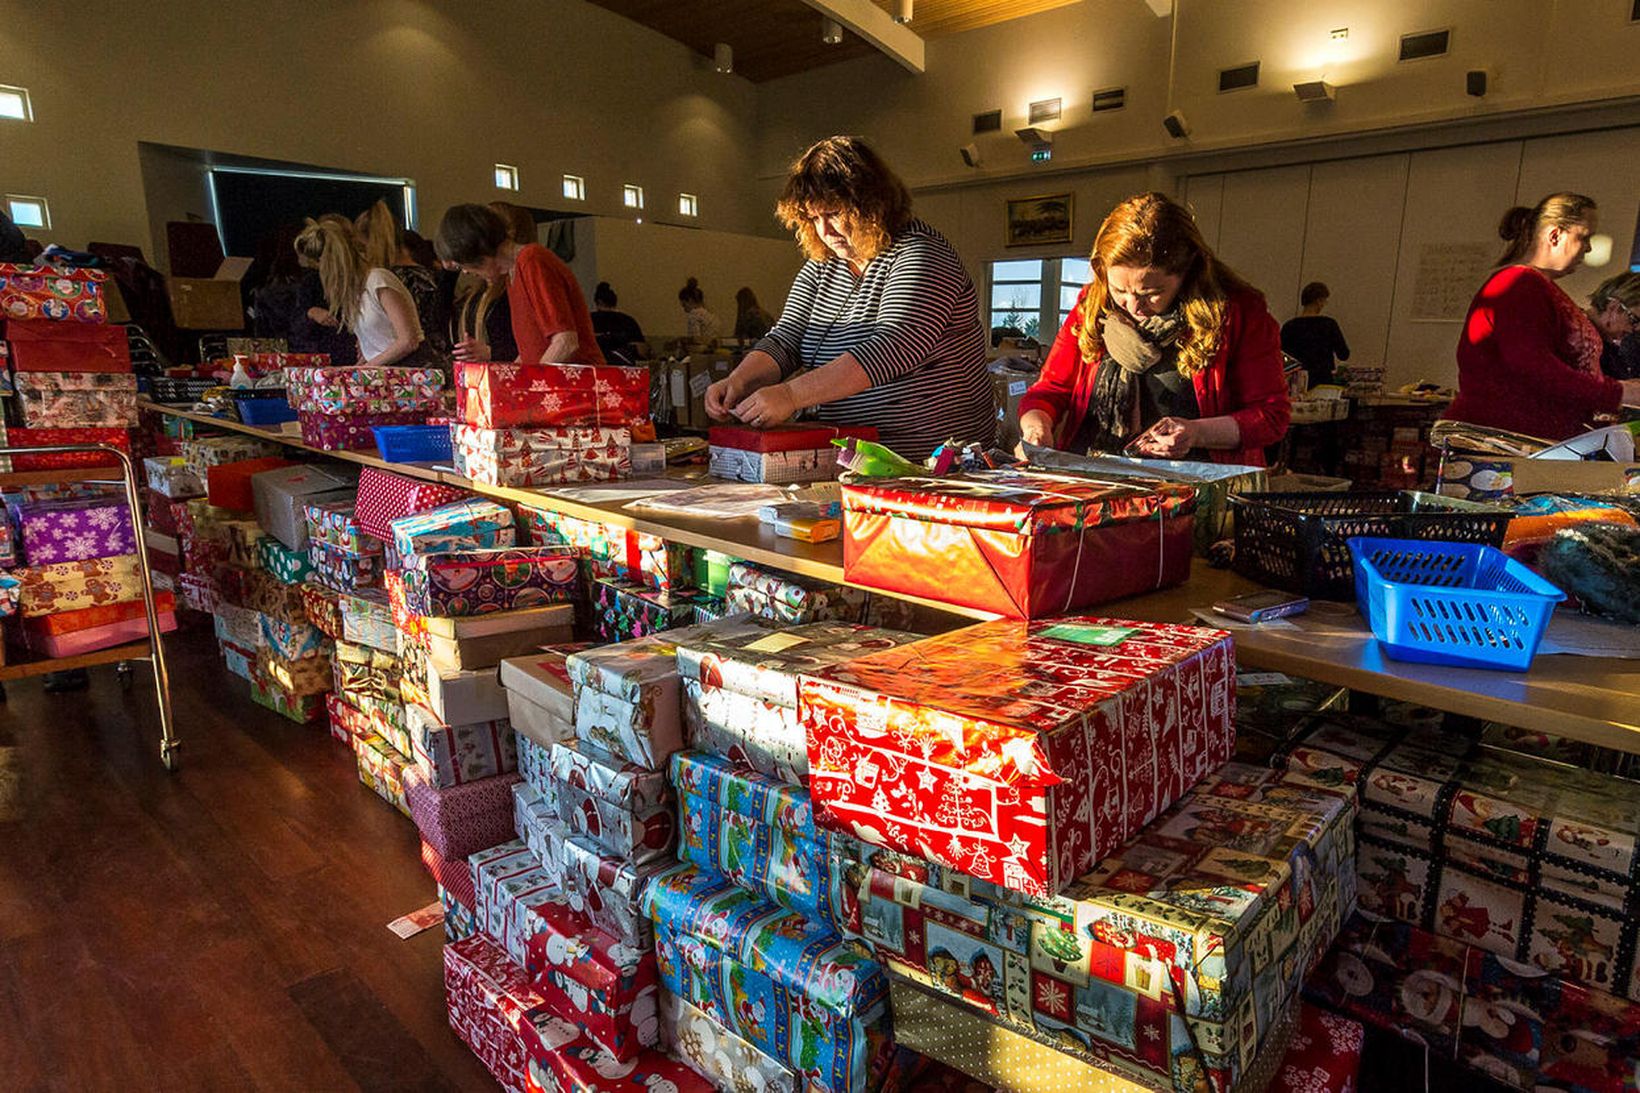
882	325
1167	353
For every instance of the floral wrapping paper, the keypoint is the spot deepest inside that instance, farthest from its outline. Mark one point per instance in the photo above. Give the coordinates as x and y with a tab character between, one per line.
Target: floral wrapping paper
293	640
718	1055
792	988
19	437
76	400
760	833
286	565
499	396
70	586
781	468
450	755
384	497
611	988
337	432
1512	1023
1019	753
477	524
1324	1055
542	457
75	530
459	923
1213	915
336	523
638	835
364	389
170	476
267	693
1022	544
466	582
46	292
272	597
367	619
790	599
1522	857
298	678
623	610
382	767
342	571
460	820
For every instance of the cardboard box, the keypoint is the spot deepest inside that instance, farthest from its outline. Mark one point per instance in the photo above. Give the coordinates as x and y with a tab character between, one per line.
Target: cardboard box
281	497
540	699
484	641
461	698
210	303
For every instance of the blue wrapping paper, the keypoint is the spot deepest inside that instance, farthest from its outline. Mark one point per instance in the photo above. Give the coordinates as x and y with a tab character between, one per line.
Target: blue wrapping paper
466	525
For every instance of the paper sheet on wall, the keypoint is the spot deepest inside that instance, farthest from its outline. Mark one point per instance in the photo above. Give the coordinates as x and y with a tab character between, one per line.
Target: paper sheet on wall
1447	278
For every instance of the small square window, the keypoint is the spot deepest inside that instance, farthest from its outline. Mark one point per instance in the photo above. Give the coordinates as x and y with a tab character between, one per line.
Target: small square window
28	212
632	196
575	187
688	205
14	104
506	177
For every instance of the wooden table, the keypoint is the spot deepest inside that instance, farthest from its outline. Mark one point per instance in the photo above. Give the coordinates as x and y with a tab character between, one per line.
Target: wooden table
1585	698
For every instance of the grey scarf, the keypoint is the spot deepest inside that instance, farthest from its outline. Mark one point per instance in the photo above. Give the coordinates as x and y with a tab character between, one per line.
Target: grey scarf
1132	348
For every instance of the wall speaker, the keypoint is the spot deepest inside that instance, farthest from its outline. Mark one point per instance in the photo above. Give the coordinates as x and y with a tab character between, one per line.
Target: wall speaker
970	154
1474	82
1176	126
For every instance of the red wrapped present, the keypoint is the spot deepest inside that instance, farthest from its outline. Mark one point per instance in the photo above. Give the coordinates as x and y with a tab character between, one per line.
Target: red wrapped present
46	292
164	515
452	874
1023	544
41	345
324	608
385	496
334	432
21	437
103	636
496	396
68	622
796	437
228	485
612	987
1019	753
1324	1055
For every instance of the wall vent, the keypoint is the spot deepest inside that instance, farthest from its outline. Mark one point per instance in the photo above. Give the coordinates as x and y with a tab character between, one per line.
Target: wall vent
988	122
1114	98
1239	78
1425	44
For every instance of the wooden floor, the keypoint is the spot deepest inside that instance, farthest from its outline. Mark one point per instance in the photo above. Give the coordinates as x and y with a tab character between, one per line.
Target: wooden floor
223	927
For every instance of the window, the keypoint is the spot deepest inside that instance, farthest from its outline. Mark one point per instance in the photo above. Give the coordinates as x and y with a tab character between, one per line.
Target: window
506	177
575	187
28	212
1035	296
14	104
688	205
632	196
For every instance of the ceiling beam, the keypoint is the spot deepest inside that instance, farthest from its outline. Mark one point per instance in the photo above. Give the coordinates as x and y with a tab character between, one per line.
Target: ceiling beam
877	27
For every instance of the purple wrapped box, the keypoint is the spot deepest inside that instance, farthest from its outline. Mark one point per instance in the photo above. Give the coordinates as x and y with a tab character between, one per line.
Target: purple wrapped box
73	531
479	582
461	820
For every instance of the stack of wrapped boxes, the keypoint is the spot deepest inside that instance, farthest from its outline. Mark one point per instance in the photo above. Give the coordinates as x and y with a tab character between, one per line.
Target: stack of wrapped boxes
337	406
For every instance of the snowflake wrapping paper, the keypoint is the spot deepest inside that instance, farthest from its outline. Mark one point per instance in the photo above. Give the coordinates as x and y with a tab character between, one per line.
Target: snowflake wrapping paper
1522	857
1023	544
1324	1055
450	755
464	582
47	292
75	530
384	497
74	400
499	396
718	1055
19	437
792	988
1188	944
608	987
1019	753
476	524
69	586
364	389
542	457
382	767
791	599
336	432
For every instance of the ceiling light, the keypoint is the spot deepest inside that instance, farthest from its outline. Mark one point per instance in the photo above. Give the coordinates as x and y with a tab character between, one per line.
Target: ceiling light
723	58
831	32
1315	91
1600	251
902	12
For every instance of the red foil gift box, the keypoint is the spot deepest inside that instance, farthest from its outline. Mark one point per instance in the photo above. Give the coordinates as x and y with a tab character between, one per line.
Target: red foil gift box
797	437
228	485
18	436
1023	544
41	345
498	396
1020	753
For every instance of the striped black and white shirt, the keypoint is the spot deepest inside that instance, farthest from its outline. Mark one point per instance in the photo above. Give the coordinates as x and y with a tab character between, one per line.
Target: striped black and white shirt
912	321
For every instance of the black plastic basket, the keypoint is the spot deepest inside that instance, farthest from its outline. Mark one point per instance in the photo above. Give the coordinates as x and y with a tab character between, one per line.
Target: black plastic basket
1299	542
174	389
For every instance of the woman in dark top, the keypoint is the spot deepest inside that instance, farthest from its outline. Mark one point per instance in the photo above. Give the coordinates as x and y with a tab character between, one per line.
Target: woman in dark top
618	332
1314	339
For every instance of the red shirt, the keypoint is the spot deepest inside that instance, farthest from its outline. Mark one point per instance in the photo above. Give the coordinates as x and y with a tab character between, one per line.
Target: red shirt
1244	380
545	300
1529	360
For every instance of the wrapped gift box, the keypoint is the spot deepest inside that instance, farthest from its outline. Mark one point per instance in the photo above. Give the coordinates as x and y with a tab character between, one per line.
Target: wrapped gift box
717	1054
536	821
240	625
293	640
346	720
607	776
323	608
364	389
89	639
461	820
1022	544
611	551
510	887
29	292
294	707
612	988
484	641
623	610
1020	753
450	755
383	768
788	598
228	485
335	523
459	922
69	586
242	662
244	543
19	437
639	833
365	672
163	514
202	453
462	698
164	555
760	833
482	581
794	437
64	400
540	697
498	396
741	689
452	874
476	524
198	592
336	568
782	468
264	593
385	497
541	457
42	345
338	432
171	476
281	497
298	678
367	619
69	622
286	565
535	767
1324	1054
607	890
76	530
800	992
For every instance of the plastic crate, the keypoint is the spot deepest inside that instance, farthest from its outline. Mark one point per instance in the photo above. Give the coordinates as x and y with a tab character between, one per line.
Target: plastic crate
1461	604
1298	542
414	443
259	410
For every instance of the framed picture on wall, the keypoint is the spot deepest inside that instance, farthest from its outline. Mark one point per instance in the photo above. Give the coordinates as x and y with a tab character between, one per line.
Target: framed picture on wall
1037	221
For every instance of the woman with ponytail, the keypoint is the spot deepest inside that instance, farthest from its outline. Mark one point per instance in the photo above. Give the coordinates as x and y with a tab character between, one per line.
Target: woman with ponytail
1528	357
386	247
1167	353
369	301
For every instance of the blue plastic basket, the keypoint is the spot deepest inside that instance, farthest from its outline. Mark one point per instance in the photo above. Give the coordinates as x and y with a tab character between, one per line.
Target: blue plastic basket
414	443
261	410
1451	603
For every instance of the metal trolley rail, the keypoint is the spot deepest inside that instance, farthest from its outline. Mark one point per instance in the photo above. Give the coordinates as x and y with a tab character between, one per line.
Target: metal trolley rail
152	649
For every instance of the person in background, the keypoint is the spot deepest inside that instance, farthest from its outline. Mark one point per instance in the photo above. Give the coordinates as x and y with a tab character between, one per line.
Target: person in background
703	326
1168	353
521	226
367	300
751	321
549	315
1312	338
1614	309
386	247
618	332
13	244
1528	357
881	326
483	324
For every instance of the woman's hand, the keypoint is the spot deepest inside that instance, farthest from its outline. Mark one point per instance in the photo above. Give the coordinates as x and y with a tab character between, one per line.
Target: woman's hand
721	399
323	317
767	406
1169	438
1036	427
470	349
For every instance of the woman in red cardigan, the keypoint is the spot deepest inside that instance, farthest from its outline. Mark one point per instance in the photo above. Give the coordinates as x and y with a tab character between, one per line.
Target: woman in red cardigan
1168	353
1528	357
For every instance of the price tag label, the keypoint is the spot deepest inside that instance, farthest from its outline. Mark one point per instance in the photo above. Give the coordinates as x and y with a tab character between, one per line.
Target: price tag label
1089	634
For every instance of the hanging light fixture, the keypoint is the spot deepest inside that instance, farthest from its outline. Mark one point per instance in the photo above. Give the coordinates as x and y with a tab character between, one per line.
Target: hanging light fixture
723	58
902	12
831	32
